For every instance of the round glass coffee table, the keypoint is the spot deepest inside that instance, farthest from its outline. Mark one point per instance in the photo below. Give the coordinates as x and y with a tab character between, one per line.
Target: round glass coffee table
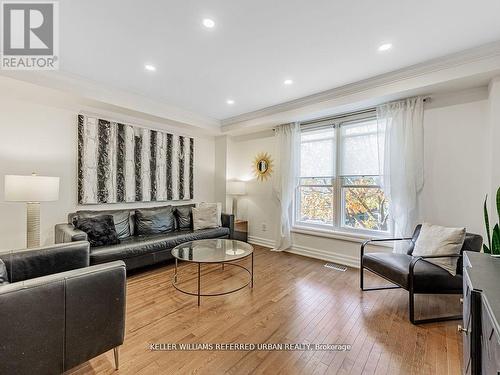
213	251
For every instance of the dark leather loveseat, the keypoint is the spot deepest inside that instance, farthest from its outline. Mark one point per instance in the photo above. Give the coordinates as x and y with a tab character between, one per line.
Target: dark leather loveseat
56	311
139	250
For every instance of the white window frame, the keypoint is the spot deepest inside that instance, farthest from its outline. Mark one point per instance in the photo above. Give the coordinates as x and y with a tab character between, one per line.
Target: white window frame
337	226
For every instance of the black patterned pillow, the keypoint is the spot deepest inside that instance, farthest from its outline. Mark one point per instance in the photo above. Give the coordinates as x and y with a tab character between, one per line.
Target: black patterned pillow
100	230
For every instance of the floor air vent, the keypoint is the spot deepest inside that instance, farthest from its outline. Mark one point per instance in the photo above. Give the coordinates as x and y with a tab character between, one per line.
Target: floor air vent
336	267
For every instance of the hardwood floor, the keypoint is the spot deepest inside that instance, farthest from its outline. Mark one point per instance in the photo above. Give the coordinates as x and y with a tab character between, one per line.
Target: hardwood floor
294	300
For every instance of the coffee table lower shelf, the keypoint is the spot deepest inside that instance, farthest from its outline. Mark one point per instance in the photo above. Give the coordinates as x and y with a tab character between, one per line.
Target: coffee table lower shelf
199	294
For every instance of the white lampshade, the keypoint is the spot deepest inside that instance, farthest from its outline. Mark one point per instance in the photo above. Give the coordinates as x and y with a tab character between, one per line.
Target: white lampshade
236	188
31	188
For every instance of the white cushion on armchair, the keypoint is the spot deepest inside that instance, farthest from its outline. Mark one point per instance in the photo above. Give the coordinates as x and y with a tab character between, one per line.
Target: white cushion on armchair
438	240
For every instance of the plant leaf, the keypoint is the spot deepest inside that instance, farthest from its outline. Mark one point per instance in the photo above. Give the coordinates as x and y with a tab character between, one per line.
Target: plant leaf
496	240
485	249
487	220
498	203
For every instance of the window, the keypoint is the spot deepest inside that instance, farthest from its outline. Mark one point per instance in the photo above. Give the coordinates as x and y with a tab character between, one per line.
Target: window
339	186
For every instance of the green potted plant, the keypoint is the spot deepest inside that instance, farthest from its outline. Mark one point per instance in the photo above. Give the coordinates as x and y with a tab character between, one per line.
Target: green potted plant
493	247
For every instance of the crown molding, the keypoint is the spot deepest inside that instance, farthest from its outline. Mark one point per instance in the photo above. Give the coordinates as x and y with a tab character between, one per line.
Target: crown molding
470	56
100	95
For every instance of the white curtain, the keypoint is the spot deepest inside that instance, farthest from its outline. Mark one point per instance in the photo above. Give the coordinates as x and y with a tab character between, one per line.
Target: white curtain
401	151
286	179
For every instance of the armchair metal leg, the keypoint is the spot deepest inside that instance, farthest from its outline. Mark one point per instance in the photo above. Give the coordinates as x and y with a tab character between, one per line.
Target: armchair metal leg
411	308
361	275
116	354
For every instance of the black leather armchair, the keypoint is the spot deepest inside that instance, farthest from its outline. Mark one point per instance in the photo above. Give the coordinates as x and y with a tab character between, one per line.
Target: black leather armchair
57	312
415	274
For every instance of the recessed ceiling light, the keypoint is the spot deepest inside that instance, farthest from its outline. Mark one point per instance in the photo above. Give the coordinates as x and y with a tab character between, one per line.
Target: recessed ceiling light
150	67
208	23
385	47
288	82
230	101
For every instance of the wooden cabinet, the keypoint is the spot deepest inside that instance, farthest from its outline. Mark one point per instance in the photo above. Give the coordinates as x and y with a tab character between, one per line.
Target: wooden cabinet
467	326
490	343
481	309
471	325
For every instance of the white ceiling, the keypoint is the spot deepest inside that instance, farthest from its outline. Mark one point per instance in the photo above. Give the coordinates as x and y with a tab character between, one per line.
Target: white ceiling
257	44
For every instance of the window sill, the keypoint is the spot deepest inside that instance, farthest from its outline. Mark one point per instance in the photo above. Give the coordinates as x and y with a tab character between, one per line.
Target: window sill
339	235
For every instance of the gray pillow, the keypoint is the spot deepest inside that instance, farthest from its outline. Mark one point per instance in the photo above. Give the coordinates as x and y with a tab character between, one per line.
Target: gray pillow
205	217
218	205
438	240
155	220
4	277
120	218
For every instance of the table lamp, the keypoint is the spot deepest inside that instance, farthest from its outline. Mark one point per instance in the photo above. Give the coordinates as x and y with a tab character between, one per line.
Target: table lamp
236	188
32	190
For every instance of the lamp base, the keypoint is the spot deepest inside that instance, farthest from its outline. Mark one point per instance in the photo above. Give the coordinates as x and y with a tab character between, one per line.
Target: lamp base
235	207
33	224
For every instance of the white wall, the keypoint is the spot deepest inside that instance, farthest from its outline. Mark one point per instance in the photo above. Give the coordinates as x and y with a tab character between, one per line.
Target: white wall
457	176
221	149
42	138
494	118
457	165
258	206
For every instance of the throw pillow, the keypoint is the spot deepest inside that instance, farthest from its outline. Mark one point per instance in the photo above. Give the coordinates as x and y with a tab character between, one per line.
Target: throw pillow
438	240
100	230
121	219
157	220
218	205
184	217
205	217
4	277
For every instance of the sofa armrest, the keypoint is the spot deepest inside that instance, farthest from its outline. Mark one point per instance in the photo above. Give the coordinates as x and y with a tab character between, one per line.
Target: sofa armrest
416	259
32	326
228	222
363	245
68	233
95	312
41	261
50	323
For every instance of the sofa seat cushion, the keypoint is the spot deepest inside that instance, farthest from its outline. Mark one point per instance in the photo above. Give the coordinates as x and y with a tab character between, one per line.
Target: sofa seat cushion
429	278
140	245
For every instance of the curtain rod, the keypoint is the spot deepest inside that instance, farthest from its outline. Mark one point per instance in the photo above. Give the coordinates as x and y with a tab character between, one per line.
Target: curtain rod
339	116
347	114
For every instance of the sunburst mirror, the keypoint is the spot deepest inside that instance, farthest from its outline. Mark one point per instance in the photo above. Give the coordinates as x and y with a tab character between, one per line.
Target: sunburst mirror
263	166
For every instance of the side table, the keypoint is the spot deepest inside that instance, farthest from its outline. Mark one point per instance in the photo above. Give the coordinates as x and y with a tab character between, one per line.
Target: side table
241	230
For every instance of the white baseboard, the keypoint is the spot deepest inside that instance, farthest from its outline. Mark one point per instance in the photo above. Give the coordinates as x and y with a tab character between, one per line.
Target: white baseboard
347	260
261	241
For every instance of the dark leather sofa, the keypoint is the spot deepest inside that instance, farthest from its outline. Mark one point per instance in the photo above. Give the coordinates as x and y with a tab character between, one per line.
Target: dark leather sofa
414	273
56	311
139	250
